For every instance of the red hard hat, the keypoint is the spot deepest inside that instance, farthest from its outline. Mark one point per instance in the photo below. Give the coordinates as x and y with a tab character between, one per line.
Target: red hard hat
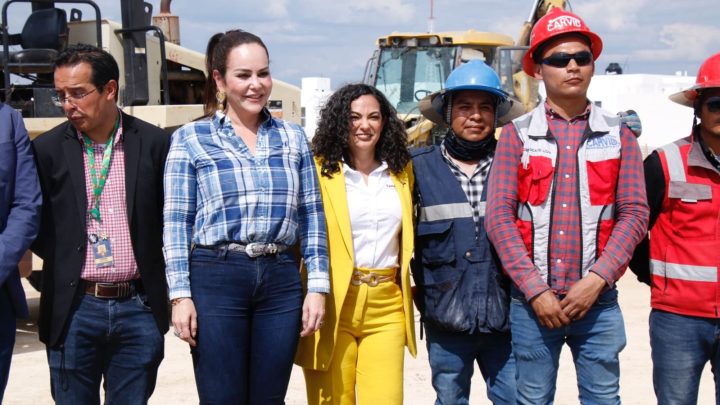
708	76
558	22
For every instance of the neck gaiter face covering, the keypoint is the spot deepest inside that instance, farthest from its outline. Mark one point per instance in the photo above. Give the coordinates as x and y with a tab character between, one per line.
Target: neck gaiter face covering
467	151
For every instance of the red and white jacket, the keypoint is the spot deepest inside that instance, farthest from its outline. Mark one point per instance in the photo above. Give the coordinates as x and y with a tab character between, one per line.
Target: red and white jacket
598	167
685	240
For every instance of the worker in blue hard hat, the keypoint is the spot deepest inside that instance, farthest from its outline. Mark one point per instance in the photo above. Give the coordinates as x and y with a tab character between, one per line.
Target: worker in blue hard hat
461	292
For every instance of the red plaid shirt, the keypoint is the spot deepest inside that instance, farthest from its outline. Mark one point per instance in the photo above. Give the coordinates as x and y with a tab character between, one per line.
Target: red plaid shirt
113	212
566	241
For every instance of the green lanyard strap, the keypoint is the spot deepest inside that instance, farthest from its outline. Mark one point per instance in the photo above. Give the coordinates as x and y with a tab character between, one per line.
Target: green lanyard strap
99	181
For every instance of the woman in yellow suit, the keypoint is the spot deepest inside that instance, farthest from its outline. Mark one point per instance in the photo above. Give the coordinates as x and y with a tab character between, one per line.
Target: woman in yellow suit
366	180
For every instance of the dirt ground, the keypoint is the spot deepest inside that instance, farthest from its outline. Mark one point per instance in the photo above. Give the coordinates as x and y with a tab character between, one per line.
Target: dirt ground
29	379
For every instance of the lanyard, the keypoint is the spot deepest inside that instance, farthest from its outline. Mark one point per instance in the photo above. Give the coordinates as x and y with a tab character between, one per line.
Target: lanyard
99	181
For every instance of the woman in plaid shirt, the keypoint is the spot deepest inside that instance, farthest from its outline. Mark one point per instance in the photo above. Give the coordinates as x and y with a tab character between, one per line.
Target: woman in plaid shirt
240	190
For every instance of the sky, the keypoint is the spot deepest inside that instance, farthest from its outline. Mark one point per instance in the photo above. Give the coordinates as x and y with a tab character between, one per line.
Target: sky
335	38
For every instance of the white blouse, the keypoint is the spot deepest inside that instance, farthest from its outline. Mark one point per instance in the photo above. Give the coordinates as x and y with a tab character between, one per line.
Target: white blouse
375	217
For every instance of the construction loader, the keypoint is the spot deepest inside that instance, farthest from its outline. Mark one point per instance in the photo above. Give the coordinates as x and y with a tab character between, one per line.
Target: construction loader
408	66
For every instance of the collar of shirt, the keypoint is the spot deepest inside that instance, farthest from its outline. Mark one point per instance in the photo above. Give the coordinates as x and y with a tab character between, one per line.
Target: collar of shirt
456	169
118	135
355	176
711	157
220	120
552	114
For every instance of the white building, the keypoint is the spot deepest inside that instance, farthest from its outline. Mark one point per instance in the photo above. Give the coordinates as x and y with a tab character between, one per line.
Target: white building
314	93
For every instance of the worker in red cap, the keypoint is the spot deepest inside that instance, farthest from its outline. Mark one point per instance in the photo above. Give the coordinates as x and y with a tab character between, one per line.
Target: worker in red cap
680	260
568	206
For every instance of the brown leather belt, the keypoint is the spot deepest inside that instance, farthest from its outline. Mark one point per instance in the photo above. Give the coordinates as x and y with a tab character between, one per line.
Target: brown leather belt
123	289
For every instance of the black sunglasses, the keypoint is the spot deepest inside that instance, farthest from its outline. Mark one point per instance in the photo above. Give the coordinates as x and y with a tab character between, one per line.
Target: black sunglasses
562	59
713	104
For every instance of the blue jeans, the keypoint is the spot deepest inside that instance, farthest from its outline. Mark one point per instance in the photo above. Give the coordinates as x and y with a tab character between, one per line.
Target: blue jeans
7	337
117	340
595	342
249	321
681	345
452	357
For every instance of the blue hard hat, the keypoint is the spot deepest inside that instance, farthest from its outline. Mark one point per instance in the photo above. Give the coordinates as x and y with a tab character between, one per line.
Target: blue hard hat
474	75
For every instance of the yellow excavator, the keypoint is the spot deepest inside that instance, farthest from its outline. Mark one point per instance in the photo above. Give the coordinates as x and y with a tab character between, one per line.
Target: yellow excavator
161	82
408	66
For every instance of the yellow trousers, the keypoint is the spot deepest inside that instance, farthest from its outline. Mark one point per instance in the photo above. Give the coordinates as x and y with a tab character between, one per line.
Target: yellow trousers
369	350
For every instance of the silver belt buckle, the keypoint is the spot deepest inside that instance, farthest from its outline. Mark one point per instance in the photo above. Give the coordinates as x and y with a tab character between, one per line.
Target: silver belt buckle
256	249
253	249
235	247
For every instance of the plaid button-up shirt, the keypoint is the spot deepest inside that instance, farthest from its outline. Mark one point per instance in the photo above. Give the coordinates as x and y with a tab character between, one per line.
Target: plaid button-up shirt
473	185
565	249
113	213
217	191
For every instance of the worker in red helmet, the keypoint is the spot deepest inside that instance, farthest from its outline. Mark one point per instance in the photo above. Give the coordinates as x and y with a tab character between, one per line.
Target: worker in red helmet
680	260
568	206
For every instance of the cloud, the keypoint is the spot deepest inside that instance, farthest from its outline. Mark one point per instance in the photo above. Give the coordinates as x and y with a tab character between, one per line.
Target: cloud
392	9
276	8
506	24
682	41
614	15
368	12
230	12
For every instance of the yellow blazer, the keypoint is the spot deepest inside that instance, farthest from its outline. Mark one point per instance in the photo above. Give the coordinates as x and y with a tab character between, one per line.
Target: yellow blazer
316	351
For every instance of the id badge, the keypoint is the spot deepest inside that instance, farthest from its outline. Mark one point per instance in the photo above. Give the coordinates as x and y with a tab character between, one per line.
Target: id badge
102	251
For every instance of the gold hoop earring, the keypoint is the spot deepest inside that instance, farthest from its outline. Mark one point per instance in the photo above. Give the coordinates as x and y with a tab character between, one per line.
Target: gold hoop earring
220	97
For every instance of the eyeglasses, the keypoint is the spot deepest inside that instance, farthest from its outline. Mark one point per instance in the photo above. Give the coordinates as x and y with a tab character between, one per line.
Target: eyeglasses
71	98
713	104
562	59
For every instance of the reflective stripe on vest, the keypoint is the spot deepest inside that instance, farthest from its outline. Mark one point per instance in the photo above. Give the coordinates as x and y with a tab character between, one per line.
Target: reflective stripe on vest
683	271
532	130
676	168
524	212
448	211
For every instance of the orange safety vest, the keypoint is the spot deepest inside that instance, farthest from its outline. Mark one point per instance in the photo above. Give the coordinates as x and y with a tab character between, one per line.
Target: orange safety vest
598	167
685	240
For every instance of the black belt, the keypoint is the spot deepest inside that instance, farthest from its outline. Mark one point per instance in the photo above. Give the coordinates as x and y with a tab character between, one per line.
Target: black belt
254	249
123	289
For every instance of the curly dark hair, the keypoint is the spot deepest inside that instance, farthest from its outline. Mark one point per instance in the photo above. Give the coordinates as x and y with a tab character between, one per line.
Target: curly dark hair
330	142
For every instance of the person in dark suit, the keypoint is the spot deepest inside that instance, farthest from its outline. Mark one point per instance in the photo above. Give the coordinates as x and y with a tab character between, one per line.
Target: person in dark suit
19	221
103	307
